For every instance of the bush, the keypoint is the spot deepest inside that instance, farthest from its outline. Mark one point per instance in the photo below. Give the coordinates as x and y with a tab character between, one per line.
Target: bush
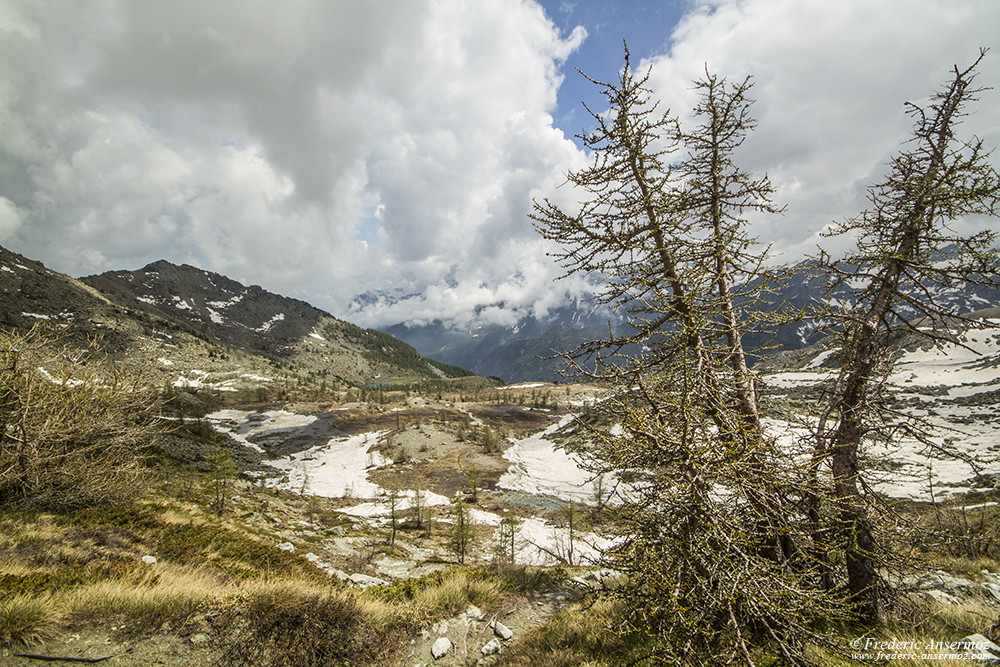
299	626
73	424
25	620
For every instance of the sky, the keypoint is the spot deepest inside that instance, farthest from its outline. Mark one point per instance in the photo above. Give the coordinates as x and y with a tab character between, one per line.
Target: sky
325	149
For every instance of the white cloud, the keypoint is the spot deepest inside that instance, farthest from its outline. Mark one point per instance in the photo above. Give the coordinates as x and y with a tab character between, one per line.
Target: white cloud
831	80
258	140
325	148
10	217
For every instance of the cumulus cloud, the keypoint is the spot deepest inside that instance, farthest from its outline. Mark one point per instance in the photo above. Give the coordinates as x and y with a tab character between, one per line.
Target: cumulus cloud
324	149
831	80
317	148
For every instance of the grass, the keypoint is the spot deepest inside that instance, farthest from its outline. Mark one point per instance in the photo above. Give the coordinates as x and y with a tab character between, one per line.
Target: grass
146	598
84	568
26	620
288	622
578	637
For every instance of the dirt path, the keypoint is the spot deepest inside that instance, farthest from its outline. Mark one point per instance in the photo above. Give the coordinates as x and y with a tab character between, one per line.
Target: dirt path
197	644
468	634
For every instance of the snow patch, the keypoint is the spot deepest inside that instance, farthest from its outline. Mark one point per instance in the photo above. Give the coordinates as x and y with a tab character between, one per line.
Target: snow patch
226	304
540	467
381	507
336	469
523	385
820	359
270	323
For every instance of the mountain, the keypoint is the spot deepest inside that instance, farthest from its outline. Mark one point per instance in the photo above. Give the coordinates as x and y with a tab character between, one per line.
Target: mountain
246	317
258	321
518	353
195	328
32	294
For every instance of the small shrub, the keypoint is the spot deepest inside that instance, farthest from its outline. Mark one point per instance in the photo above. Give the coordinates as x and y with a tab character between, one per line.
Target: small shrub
26	620
297	626
73	424
454	593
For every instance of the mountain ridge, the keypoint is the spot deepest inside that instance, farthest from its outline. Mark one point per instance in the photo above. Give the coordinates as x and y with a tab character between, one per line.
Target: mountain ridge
183	320
522	352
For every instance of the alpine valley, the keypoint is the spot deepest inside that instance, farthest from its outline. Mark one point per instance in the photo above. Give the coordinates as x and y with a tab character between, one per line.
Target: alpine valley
315	488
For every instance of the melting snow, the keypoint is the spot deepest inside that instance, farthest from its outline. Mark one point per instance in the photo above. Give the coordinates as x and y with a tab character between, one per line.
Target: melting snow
200	381
523	385
906	467
336	469
951	363
820	359
540	467
226	304
381	508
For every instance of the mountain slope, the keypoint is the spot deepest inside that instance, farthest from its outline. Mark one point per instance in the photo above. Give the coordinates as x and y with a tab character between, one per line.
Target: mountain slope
193	328
519	353
258	321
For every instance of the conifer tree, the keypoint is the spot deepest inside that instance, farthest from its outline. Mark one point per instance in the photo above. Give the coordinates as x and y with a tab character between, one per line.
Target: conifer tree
710	549
905	251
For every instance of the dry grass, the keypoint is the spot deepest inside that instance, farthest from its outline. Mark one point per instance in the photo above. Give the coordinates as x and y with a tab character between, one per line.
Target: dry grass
576	637
297	622
455	593
159	592
26	620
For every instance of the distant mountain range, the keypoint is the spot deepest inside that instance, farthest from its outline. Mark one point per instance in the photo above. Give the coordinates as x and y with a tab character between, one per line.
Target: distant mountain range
146	313
518	353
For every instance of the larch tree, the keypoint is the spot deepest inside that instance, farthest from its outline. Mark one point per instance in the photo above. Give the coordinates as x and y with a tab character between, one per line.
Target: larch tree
905	251
709	553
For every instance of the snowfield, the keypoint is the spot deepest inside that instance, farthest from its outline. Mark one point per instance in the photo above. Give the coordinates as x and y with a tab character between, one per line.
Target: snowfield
335	470
541	467
954	388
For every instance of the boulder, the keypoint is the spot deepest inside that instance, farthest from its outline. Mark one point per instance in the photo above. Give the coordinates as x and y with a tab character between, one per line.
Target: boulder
502	631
